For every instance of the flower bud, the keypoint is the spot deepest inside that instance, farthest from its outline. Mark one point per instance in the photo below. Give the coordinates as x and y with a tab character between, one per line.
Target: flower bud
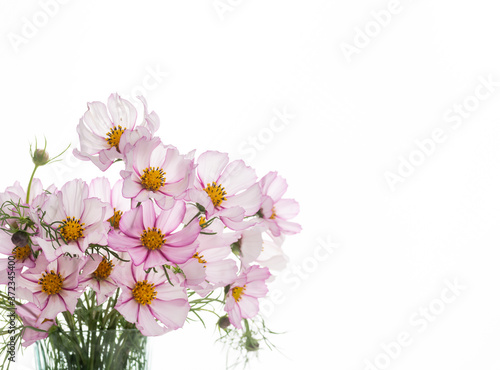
251	344
40	157
20	239
224	322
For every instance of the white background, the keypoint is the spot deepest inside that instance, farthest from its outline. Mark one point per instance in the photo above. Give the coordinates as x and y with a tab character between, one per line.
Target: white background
221	75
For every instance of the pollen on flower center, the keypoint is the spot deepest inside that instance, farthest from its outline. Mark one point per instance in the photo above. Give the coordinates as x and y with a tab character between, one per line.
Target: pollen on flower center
104	269
199	258
114	136
273	215
21	253
144	292
153	178
72	229
238	292
51	282
152	238
216	193
115	219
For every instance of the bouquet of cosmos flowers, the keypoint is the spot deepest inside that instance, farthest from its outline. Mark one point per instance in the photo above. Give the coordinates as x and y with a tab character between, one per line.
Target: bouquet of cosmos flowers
177	234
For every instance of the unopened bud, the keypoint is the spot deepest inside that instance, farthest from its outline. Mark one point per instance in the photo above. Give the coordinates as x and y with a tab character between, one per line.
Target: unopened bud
40	157
224	322
252	344
20	239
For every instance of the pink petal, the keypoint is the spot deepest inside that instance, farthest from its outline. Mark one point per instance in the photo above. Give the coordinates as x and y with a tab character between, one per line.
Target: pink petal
236	177
250	200
128	307
122	112
131	223
286	208
273	185
153	259
257	289
179	254
97	119
147	324
249	306
172	313
169	220
122	243
185	236
210	166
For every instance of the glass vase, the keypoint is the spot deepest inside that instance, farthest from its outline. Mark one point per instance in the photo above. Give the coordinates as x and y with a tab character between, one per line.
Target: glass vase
120	349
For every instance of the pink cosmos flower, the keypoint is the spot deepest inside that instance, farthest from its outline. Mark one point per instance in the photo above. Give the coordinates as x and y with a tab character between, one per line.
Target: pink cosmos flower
101	133
23	256
30	314
101	188
81	220
210	266
242	298
152	302
99	273
51	286
226	190
17	195
150	237
277	211
156	171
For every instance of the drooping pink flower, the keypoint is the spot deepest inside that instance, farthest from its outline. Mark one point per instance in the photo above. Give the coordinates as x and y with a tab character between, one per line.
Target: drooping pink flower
52	286
272	255
210	266
156	171
277	211
30	314
99	273
20	256
101	129
17	195
154	303
250	244
80	220
242	298
150	238
226	189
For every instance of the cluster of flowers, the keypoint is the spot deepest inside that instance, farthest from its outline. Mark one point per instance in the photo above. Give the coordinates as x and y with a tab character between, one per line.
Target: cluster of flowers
172	224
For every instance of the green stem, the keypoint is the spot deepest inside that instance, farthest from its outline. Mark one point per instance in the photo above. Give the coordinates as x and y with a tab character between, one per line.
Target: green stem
29	185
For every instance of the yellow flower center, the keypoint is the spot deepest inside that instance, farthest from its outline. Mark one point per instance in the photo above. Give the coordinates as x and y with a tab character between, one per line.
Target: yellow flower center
216	193
144	292
152	238
72	229
238	293
115	219
273	215
114	136
153	178
51	282
199	258
104	269
21	253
